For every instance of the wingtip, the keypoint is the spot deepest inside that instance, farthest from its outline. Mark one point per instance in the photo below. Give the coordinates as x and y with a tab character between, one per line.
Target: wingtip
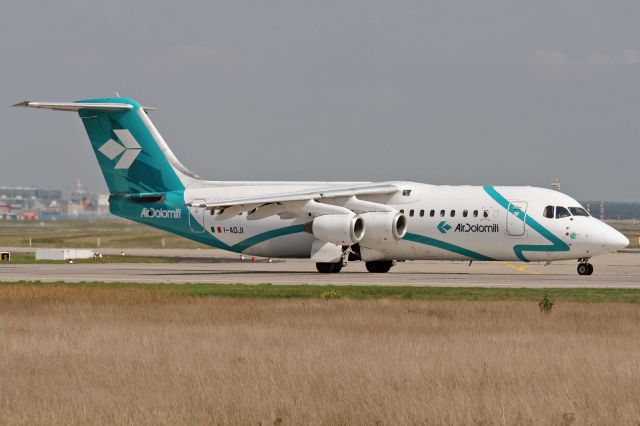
22	104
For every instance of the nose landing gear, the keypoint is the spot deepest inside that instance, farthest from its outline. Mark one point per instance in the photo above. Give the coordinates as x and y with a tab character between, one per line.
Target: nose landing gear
584	267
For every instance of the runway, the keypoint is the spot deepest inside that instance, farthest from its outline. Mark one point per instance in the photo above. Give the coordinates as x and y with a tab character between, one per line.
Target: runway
620	270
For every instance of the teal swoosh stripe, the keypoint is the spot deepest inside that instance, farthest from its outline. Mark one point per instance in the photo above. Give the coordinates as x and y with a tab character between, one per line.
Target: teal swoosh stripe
417	238
274	233
556	243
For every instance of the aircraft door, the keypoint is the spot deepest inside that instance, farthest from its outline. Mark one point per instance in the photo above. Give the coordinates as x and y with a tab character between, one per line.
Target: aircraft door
196	217
517	213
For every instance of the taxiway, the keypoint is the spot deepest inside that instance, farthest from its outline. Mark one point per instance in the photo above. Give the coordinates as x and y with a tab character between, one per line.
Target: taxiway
620	270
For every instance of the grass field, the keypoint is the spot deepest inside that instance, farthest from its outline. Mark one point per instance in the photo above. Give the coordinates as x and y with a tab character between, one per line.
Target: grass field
125	234
361	292
95	354
85	234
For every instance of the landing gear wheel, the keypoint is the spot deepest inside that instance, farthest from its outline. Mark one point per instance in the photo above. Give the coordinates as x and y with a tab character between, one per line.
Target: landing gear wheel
329	268
585	269
379	267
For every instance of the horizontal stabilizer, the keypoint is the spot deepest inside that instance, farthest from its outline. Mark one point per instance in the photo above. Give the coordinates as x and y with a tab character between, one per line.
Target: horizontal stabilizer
77	106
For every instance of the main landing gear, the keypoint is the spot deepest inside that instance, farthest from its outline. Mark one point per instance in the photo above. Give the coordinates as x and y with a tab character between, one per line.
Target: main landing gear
584	267
328	267
353	253
379	267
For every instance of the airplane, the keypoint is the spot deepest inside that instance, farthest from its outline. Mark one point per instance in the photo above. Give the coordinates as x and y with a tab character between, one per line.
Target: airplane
331	223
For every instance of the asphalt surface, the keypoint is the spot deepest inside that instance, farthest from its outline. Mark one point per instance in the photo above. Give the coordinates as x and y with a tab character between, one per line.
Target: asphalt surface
621	270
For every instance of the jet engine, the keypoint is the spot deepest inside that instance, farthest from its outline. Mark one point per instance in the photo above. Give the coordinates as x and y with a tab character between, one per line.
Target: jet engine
339	229
384	227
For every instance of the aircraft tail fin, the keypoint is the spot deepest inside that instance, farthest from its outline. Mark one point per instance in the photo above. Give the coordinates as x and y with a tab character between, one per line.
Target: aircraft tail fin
133	156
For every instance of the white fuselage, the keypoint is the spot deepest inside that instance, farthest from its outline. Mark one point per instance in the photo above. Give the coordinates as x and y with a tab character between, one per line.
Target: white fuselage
444	223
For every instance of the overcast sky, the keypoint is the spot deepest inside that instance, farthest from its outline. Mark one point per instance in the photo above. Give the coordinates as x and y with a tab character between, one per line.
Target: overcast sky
446	92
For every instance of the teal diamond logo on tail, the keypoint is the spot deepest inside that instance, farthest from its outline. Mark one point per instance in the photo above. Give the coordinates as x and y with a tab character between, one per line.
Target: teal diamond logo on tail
443	227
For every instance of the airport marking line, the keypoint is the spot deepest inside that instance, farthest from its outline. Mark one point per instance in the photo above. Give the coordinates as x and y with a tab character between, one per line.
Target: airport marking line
522	268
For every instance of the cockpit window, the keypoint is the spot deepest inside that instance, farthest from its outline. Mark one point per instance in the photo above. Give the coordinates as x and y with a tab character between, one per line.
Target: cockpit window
578	211
548	212
562	212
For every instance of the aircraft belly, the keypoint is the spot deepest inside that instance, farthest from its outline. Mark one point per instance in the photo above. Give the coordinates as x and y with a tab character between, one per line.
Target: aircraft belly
288	246
408	250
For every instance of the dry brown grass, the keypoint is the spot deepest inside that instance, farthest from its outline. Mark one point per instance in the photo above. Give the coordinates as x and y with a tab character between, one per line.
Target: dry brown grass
145	356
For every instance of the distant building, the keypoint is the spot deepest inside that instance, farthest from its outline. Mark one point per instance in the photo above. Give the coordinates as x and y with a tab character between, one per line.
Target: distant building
555	185
81	202
31	203
18	202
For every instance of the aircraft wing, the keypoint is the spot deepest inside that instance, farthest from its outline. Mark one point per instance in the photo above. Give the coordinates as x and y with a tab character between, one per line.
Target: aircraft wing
315	202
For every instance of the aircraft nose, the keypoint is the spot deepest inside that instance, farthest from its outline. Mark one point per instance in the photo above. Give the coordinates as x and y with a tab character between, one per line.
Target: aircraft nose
614	240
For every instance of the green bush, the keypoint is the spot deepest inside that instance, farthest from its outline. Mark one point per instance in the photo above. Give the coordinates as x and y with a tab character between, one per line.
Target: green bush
545	304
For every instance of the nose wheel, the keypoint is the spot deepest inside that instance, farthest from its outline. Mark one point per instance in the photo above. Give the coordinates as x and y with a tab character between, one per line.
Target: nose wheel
585	268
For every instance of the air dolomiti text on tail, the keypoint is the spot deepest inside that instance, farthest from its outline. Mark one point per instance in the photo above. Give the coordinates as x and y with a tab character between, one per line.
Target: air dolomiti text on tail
331	222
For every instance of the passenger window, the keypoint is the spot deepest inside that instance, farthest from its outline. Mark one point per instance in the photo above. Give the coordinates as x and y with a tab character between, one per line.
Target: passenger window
442	213
465	213
402	211
411	212
475	213
485	213
548	212
578	211
432	213
562	212
453	213
421	213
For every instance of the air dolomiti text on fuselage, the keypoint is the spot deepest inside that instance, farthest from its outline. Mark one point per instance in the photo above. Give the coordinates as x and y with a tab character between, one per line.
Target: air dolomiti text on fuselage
467	227
330	222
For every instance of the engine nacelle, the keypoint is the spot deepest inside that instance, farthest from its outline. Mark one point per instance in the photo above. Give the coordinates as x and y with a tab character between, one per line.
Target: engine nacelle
384	227
339	229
